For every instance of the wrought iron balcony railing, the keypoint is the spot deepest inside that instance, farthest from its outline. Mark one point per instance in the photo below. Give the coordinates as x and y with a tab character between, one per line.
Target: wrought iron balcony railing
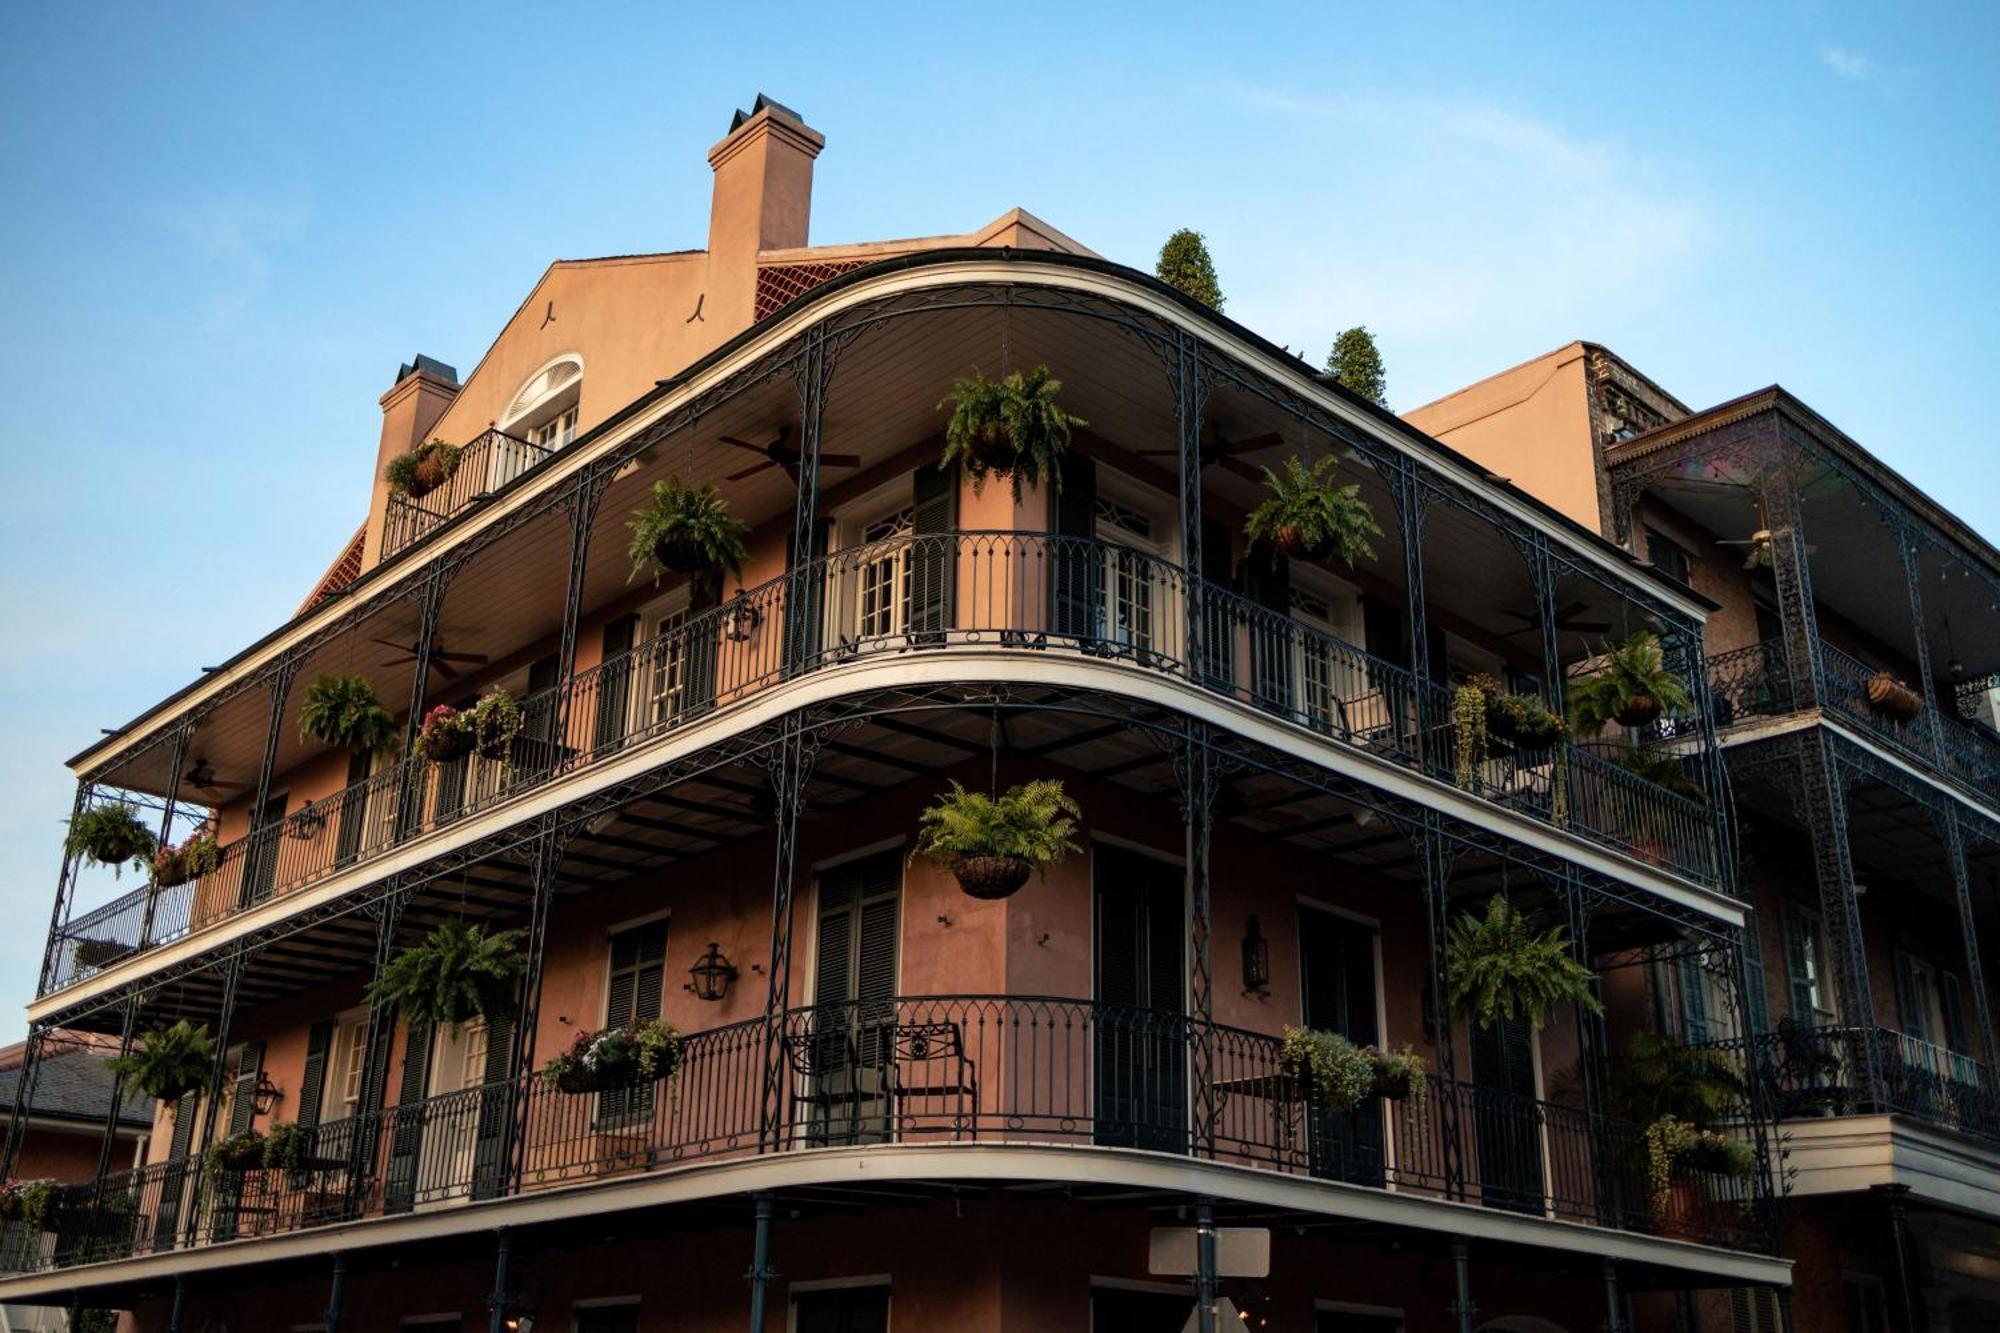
484	466
1755	682
937	1070
1833	1071
898	600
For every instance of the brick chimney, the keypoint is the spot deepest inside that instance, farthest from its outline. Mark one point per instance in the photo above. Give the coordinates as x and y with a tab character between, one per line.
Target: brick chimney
763	201
412	407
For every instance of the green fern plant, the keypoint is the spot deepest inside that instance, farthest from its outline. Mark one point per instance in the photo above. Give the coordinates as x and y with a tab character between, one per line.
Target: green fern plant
169	1062
1034	822
687	530
110	834
1498	966
423	469
457	973
1307	514
343	711
1010	427
1631	685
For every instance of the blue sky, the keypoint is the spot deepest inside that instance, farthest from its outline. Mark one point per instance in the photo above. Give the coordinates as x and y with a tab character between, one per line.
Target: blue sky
225	225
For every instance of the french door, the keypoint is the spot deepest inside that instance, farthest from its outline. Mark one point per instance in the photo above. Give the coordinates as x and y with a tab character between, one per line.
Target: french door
1337	966
1141	1064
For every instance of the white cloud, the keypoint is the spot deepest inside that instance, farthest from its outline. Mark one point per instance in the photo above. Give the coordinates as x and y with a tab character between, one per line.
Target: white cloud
1449	225
1847	64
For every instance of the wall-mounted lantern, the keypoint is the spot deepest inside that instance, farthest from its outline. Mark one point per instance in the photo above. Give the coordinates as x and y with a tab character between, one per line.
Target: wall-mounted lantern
265	1096
740	620
1256	959
711	974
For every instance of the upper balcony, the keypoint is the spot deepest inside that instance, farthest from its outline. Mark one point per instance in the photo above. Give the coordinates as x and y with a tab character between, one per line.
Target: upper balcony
517	568
1845	589
1034	598
485	466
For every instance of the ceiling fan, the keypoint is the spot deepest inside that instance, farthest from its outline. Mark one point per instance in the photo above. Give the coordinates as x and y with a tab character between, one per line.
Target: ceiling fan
780	454
1217	451
1759	544
1565	621
441	661
201	777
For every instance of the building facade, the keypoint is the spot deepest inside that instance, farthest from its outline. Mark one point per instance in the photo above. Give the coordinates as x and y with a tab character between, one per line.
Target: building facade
894	1104
1865	820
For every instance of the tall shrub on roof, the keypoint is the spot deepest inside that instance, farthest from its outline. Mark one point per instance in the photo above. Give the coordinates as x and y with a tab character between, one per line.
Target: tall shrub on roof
1185	265
1356	364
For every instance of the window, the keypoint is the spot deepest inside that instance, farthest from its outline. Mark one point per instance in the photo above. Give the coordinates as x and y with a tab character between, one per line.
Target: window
543	411
1130	575
667	674
1753	1310
556	432
632	994
350	1051
1805	964
841	1310
1670	558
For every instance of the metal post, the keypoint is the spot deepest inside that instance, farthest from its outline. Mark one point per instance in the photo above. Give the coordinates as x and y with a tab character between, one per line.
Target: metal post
1593	1046
1906	546
760	1273
1543	571
336	1295
1778	495
280	683
1757	1087
1196	769
430	608
581	502
790	767
1204	1265
1905	1308
109	1138
1462	1309
1436	858
803	593
496	1304
180	1302
232	978
549	848
24	1097
1614	1308
65	886
1823	799
388	914
1411	502
178	760
1975	967
1190	391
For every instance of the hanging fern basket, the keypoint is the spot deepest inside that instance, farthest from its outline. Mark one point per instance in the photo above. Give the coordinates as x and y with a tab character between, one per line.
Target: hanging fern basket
991	877
1641	710
1893	699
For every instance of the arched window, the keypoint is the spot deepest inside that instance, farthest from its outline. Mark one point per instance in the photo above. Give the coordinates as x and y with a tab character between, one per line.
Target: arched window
544	411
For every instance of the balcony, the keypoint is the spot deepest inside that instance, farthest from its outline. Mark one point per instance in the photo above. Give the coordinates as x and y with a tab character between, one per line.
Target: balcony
1756	682
959	1070
905	600
1841	1071
484	467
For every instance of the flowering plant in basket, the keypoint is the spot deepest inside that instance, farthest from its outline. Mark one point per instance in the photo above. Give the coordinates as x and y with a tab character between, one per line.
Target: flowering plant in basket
621	1057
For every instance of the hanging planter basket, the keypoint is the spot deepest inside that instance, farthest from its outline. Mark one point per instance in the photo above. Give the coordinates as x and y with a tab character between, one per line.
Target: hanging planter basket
680	555
991	877
1395	1082
1893	699
616	1059
97	953
1642	710
447	734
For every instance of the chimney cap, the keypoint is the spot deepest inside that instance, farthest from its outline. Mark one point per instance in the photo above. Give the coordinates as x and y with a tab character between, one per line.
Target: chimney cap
427	365
763	103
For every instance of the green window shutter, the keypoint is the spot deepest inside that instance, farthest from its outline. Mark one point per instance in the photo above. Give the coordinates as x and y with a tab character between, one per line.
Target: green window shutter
1798	950
353	810
406	1140
1951	999
1076	567
1756	1004
1910	999
312	1082
633	994
933	555
1268	583
243	1103
1693	986
614	684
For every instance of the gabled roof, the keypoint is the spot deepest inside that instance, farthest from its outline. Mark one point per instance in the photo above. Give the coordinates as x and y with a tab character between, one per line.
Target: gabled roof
77	1085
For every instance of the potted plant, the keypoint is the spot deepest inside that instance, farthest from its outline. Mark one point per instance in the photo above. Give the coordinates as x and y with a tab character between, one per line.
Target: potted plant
688	530
286	1147
1332	1070
456	974
199	855
98	953
1522	719
1010	427
1893	699
991	845
169	1062
109	834
237	1152
1396	1075
496	724
28	1202
1631	686
1499	965
447	733
343	711
1307	515
645	1052
1675	1143
423	469
1470	746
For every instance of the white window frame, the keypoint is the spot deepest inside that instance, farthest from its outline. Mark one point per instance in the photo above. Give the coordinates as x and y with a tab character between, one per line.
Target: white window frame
345	1055
657	619
1149	622
858	612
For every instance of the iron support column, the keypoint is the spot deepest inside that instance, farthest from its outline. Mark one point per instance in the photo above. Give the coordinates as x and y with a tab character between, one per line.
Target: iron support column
1904	1312
1543	571
336	1294
65	887
1197	771
549	848
1204	1265
1906	546
1975	966
1614	1307
1411	502
1823	799
232	978
496	1304
1463	1311
127	1026
581	502
1782	507
790	767
280	682
180	1302
178	760
24	1097
802	595
1190	391
1757	1088
760	1273
1592	1043
377	1039
1436	858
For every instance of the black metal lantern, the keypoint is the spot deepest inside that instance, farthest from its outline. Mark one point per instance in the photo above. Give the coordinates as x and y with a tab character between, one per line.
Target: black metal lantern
265	1096
711	974
741	619
1256	959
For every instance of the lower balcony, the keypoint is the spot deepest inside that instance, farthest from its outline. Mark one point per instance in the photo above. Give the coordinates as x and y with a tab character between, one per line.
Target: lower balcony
1041	597
1812	1072
967	1072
